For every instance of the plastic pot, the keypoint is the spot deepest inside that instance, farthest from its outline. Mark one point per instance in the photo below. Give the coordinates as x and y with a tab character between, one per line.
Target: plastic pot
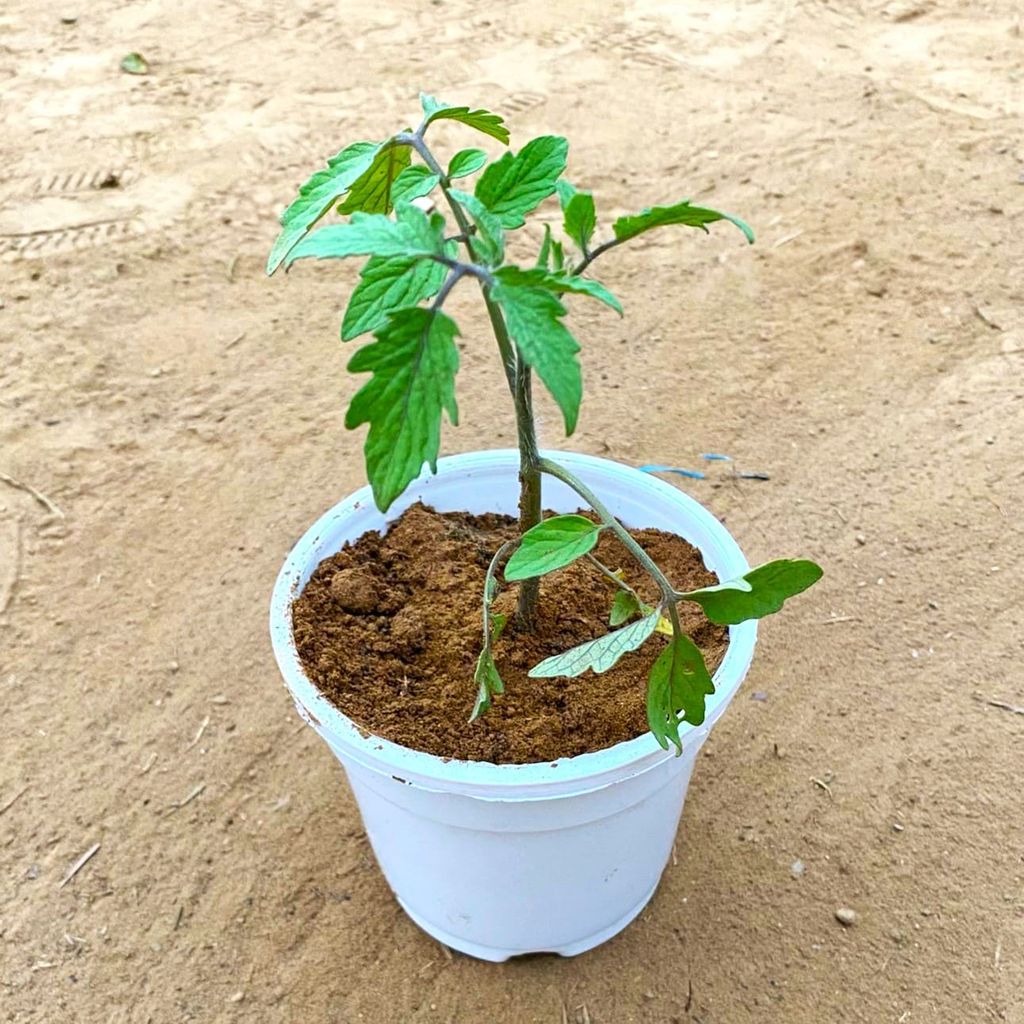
501	860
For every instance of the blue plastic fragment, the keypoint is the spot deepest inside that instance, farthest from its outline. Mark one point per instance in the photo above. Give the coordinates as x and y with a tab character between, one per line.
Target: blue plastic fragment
711	457
693	474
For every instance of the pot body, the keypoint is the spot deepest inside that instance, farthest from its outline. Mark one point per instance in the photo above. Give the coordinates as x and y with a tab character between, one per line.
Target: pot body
501	860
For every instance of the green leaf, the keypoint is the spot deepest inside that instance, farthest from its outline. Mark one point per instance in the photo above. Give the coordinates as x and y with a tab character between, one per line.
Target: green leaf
466	161
411	234
371	191
486	674
580	216
557	257
550	545
387	283
318	195
412	183
134	64
413	361
625	606
518	183
489	240
678	681
533	318
489	682
600	654
760	592
482	120
552	281
679	213
544	255
690	681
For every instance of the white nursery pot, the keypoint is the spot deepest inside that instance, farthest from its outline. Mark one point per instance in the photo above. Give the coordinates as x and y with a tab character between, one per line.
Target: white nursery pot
501	860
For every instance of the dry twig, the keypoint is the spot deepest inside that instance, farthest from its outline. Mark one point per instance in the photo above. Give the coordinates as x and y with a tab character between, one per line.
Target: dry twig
986	319
14	799
192	795
823	785
199	733
79	864
7	586
43	500
1015	709
787	238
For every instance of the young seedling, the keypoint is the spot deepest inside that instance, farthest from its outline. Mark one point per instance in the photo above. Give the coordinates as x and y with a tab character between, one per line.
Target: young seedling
414	260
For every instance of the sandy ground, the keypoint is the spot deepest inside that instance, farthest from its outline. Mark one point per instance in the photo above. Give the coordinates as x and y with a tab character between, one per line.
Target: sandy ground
185	417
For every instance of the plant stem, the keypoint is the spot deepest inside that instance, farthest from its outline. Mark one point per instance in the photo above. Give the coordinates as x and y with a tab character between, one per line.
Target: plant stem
590	256
517	374
530	488
560	473
605	571
505	346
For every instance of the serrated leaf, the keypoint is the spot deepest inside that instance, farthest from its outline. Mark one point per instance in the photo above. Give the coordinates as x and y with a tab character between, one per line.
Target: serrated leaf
371	191
598	655
534	316
412	183
551	544
679	213
552	281
413	362
489	240
519	182
579	215
411	234
318	195
760	592
466	161
625	606
387	283
482	120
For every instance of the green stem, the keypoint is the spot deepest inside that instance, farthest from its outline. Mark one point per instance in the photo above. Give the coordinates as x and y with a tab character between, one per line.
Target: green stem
620	583
530	488
517	374
488	584
590	256
560	473
505	346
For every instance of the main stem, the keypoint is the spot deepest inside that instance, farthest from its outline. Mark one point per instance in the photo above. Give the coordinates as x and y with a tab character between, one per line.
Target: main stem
517	374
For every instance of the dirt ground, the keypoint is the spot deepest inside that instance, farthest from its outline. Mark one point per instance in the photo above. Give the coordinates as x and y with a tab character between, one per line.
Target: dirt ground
181	418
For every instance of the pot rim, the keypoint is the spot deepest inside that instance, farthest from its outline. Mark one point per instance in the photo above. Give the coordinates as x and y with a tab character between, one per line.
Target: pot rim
481	778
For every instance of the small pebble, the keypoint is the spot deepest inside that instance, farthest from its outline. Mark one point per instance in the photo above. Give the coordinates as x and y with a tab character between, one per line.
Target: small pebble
759	695
236	998
861	539
897	827
846	917
797	869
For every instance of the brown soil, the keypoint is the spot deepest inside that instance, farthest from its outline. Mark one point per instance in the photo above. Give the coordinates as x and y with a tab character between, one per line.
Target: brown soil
867	353
389	628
